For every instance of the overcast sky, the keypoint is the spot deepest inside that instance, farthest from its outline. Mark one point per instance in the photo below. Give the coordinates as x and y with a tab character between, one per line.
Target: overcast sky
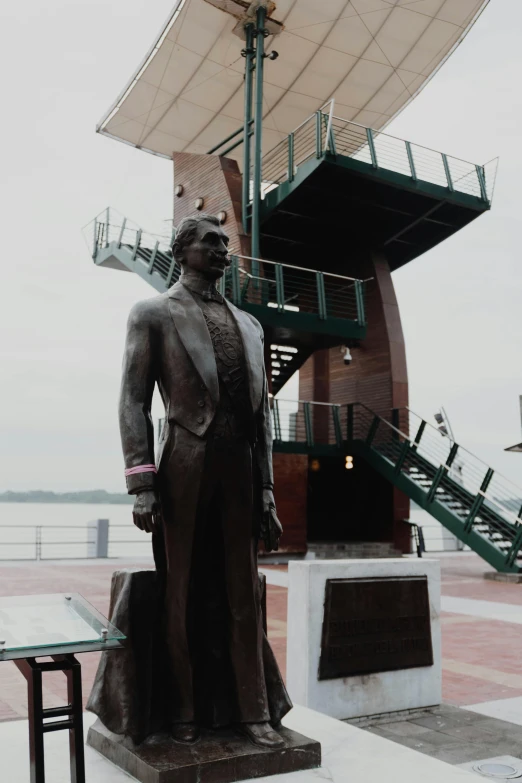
63	320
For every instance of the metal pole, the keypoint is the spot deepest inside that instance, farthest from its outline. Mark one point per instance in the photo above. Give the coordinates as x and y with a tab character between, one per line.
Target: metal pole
258	134
249	71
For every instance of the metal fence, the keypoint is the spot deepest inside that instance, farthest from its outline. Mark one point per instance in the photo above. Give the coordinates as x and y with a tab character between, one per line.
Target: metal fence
288	288
325	132
71	542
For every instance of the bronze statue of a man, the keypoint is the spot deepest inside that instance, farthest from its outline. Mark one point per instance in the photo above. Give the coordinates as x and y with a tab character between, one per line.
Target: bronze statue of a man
208	497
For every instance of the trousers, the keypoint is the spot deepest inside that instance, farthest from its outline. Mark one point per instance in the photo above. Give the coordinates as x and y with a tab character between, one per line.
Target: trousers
208	560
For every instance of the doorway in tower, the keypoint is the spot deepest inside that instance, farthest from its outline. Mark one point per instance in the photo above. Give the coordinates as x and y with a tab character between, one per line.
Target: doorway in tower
347	501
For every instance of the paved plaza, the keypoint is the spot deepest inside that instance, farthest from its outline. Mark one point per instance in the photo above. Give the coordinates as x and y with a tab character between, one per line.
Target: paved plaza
481	632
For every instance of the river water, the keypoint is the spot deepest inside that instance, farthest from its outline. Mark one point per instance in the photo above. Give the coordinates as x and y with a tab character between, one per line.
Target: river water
60	530
54	531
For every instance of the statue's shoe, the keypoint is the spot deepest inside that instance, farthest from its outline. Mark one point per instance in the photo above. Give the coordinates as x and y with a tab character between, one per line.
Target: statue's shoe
262	735
186	733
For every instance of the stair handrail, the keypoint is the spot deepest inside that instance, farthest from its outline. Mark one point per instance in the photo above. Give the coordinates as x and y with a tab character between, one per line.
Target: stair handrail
303	268
462	448
510	516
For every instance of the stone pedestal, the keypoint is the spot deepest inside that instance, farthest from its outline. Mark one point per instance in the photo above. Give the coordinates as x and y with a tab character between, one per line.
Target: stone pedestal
369	691
218	757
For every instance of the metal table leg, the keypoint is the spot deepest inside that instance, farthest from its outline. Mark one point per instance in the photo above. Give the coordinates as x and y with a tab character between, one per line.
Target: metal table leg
32	671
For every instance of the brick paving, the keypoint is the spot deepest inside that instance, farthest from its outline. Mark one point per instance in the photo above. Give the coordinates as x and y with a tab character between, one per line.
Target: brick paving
481	658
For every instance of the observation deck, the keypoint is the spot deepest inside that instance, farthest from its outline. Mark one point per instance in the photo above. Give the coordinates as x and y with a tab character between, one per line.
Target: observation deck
333	177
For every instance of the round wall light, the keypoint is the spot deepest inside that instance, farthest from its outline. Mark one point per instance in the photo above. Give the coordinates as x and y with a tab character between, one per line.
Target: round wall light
178	190
222	216
199	203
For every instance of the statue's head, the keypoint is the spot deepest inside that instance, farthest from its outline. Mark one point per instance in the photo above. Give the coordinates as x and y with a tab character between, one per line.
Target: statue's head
201	245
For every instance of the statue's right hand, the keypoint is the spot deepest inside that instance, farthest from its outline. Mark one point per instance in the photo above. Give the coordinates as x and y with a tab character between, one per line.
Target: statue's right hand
147	511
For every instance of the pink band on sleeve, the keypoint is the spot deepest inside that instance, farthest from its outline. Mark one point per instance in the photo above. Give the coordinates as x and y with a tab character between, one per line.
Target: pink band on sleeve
141	469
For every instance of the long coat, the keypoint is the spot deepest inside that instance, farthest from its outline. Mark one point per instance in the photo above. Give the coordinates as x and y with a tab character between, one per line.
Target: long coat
168	343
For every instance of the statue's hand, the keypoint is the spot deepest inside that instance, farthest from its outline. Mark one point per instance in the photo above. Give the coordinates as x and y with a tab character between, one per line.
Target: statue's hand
147	511
271	528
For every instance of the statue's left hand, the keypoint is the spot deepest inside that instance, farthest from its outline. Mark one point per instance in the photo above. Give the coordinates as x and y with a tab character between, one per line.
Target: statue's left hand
271	528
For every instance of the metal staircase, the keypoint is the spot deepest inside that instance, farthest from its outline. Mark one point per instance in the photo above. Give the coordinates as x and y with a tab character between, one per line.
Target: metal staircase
476	504
300	309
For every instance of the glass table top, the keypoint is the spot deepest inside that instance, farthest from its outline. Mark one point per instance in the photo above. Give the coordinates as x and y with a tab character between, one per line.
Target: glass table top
33	625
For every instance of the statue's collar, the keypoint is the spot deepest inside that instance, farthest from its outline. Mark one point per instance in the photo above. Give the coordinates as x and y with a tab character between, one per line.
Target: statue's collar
199	285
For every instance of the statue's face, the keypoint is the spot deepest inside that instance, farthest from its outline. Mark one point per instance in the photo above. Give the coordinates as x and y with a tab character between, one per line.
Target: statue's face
208	253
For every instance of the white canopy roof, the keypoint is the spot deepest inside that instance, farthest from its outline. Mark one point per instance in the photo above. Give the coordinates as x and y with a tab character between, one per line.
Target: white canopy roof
372	56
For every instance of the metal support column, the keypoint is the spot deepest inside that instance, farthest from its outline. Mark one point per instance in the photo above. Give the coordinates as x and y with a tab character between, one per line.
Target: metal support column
258	134
249	71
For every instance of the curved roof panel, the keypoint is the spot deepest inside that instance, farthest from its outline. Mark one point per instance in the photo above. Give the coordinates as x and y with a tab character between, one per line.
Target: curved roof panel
372	56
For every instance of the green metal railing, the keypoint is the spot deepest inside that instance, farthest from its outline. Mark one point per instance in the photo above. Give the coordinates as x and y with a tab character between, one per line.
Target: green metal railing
479	506
248	282
152	251
323	133
310	424
293	289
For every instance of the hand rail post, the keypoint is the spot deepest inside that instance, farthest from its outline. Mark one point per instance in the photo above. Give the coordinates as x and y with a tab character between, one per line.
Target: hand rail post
515	546
418	436
395	422
171	275
153	257
481	176
236	287
371	146
95	239
123	224
374	426
38	542
359	301
136	244
478	501
330	138
277	420
280	288
308	424
291	145
337	426
448	172
402	456
441	470
321	296
409	152
318	134
107	222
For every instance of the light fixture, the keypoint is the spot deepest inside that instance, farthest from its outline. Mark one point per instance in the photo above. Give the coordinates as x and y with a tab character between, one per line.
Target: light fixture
199	203
222	216
315	466
348	463
178	190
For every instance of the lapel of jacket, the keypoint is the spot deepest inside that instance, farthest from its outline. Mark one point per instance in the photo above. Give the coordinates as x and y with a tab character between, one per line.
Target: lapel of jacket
254	356
192	329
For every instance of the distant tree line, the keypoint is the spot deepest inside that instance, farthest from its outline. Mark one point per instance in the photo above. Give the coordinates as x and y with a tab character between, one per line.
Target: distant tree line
85	496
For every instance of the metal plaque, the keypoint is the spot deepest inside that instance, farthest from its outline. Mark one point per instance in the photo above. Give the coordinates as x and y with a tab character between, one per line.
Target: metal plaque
375	625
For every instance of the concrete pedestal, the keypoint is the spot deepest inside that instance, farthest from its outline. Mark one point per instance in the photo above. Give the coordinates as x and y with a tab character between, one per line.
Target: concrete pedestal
359	695
218	757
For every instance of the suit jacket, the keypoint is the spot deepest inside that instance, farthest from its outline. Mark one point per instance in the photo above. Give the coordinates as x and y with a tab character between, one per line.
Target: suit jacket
168	344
